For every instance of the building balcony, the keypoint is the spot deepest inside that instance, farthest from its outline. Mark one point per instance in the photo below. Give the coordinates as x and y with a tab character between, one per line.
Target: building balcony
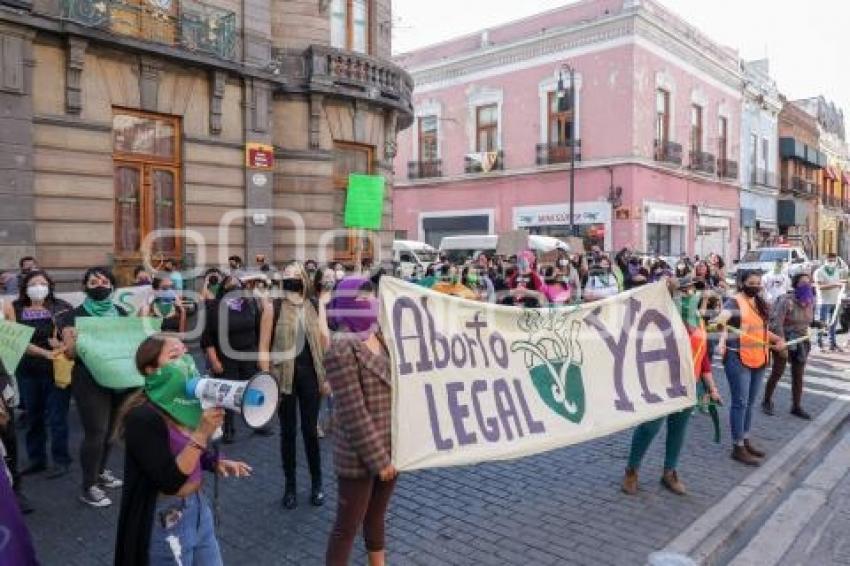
727	169
484	162
424	169
763	178
354	74
191	25
552	153
701	161
668	152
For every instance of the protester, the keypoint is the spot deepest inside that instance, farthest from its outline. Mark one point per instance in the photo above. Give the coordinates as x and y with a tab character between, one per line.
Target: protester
211	284
526	288
300	341
791	317
166	305
172	269
8	438
430	278
47	404
744	346
311	267
776	283
450	283
165	517
97	405
677	423
231	338
473	278
829	285
234	262
261	262
141	276
358	369
601	282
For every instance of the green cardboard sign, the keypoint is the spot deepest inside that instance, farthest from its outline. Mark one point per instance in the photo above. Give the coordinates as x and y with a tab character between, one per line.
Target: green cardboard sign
364	202
108	348
14	339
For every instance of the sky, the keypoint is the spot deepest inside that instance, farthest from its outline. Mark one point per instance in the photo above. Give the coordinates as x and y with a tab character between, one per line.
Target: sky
803	40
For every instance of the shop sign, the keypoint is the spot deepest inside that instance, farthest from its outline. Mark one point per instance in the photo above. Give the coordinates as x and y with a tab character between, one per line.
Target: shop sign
559	215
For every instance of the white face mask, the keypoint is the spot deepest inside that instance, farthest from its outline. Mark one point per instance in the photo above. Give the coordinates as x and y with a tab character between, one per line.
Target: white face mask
340	275
38	292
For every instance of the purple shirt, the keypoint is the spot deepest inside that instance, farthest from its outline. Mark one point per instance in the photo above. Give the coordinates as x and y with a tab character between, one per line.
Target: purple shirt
177	441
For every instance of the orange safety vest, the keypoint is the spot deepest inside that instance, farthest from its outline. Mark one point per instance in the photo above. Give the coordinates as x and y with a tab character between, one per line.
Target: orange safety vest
699	346
753	351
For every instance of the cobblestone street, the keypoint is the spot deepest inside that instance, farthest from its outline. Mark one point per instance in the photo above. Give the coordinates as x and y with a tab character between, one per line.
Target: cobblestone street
562	507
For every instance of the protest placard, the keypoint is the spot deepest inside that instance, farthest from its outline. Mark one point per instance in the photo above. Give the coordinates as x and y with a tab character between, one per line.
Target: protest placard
476	382
14	339
364	202
108	348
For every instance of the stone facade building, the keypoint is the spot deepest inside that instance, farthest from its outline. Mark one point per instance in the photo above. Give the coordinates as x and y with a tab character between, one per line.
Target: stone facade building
124	117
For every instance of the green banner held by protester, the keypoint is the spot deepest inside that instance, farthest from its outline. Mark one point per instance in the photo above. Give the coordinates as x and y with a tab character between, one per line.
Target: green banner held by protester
14	339
364	202
108	348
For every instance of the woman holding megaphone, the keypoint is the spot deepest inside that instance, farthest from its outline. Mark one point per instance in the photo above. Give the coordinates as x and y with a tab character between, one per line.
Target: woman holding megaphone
164	517
358	369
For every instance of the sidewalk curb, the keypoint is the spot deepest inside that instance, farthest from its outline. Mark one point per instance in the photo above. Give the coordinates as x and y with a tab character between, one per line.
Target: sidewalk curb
707	537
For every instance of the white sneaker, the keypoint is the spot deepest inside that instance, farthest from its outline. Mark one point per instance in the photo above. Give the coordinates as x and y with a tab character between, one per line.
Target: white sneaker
95	497
108	480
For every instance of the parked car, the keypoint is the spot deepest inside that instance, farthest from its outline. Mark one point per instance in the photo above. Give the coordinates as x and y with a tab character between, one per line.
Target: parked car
764	259
410	255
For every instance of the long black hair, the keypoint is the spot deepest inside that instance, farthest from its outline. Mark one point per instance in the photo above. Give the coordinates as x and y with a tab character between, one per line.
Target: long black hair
25	281
99	271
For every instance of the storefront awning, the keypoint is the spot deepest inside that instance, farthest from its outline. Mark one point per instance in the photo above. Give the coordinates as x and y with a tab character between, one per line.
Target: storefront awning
829	171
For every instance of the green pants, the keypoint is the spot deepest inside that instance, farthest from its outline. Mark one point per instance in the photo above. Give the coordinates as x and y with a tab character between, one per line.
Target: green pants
677	426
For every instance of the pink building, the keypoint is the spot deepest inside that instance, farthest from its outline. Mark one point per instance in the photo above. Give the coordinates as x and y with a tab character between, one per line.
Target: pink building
656	119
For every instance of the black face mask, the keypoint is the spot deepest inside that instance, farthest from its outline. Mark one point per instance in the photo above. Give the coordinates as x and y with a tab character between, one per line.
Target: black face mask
98	293
292	285
751	291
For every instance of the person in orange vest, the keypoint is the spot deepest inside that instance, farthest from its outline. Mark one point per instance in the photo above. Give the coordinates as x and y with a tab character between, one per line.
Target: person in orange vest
745	344
685	295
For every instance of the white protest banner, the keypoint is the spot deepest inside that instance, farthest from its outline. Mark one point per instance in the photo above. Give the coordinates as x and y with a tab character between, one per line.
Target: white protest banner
474	382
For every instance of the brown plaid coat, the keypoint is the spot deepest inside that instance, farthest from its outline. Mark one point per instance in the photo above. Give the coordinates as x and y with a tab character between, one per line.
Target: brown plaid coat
362	389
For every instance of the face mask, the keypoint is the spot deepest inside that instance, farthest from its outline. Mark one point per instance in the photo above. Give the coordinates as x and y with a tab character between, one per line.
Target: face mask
340	274
143	281
292	285
805	294
166	388
167	296
830	268
38	292
213	281
563	263
751	291
99	293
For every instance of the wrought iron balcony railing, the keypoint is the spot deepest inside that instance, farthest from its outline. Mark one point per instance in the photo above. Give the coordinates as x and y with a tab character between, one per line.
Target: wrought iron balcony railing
191	25
484	162
424	169
668	152
727	169
551	153
701	161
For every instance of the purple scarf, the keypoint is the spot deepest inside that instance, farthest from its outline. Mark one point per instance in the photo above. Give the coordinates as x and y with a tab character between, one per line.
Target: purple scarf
15	542
805	295
346	313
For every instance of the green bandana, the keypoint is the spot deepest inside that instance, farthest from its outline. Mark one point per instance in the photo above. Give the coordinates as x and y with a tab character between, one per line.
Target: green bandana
167	390
100	308
689	309
214	289
164	308
472	279
829	270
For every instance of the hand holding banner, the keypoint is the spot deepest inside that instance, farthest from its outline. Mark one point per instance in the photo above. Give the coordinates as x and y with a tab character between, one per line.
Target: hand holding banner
476	382
14	339
108	348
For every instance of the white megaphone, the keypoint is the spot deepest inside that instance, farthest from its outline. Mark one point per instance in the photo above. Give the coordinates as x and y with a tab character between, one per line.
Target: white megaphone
256	399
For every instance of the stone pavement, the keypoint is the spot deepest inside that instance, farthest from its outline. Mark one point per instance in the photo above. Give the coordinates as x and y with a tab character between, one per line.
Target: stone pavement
563	507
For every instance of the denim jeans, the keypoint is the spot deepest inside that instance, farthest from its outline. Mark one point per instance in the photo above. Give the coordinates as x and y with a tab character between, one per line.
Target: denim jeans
744	386
189	540
47	408
825	316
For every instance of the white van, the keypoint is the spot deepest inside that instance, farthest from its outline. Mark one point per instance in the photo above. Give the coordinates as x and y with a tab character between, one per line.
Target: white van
408	255
459	248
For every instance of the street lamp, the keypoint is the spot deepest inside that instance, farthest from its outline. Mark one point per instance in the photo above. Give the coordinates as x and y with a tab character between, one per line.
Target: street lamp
567	103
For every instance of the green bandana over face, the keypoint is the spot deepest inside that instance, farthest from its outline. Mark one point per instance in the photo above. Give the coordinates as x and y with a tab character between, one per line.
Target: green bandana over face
165	309
830	270
167	390
689	309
